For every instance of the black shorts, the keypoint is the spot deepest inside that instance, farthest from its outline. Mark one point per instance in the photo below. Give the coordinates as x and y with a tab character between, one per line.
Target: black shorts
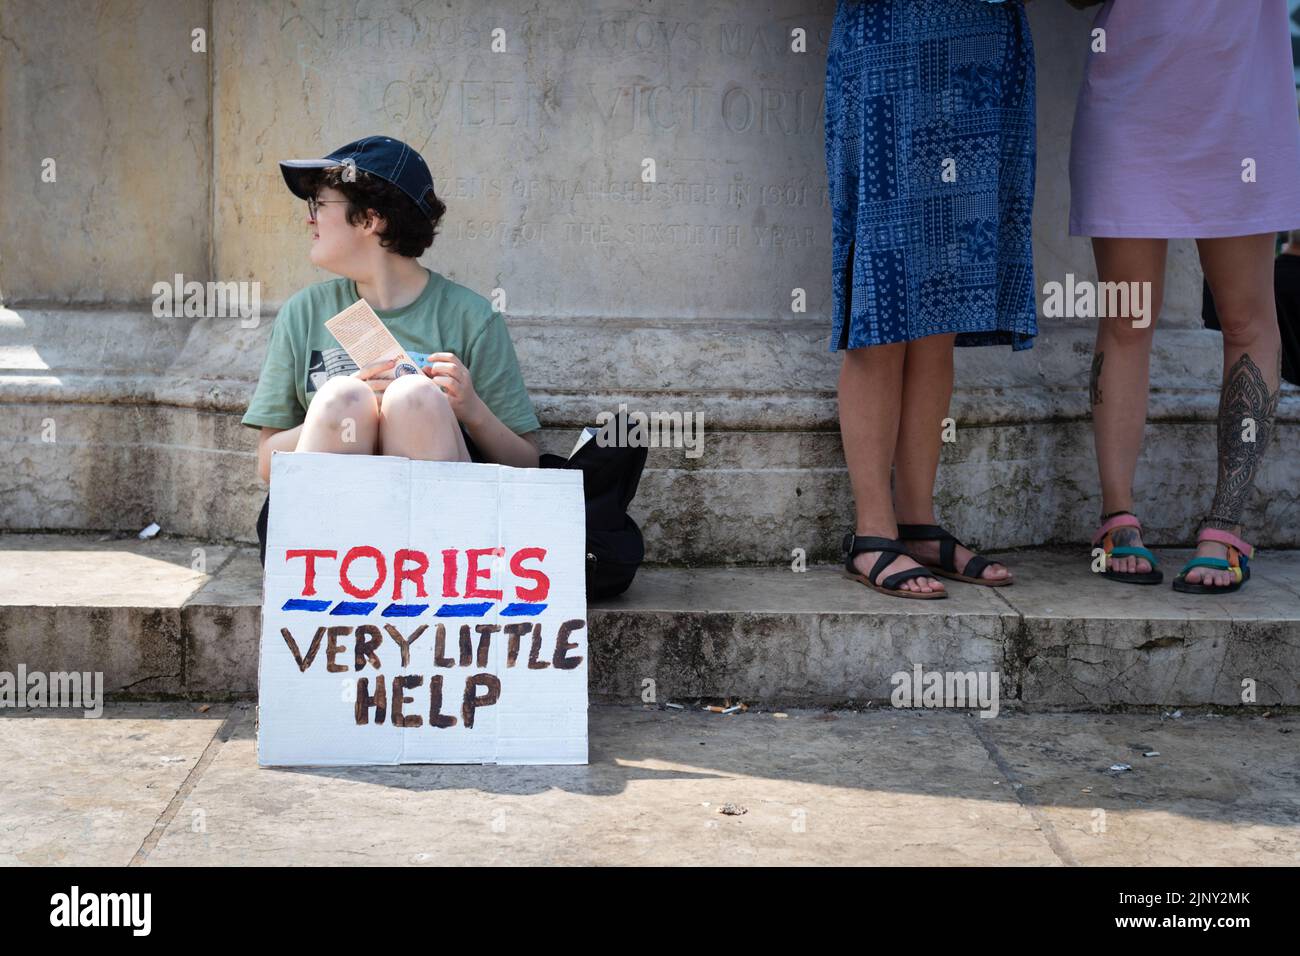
474	455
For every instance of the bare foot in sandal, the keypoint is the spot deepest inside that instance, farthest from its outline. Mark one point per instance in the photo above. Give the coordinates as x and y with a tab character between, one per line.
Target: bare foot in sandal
941	551
864	562
1212	577
927	552
1130	563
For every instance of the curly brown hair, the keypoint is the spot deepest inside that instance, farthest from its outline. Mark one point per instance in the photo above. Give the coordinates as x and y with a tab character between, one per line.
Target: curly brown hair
407	231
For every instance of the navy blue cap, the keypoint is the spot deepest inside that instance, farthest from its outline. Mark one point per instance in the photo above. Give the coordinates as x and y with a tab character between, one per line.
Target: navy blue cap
389	159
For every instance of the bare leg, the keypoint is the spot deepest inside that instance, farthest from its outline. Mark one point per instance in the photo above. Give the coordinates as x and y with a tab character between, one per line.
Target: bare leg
343	418
871	384
927	394
1240	273
1121	372
416	421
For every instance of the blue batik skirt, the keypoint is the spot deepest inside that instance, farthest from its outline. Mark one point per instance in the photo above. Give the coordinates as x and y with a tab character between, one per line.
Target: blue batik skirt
930	154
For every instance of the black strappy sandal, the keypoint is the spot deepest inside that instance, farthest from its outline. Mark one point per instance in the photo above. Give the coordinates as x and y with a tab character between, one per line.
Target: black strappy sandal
890	549
947	566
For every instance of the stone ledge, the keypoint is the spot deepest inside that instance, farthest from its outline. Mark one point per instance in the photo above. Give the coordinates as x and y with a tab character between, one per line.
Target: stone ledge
751	499
1060	637
743	374
148	409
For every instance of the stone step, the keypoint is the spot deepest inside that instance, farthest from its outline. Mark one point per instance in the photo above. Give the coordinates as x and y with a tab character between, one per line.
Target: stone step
120	438
175	617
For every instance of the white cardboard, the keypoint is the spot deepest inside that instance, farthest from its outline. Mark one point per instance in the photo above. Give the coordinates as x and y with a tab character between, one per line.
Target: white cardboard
338	502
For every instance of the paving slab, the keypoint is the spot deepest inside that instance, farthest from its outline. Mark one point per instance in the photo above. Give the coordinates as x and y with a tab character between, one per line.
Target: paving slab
159	784
886	789
90	791
1221	791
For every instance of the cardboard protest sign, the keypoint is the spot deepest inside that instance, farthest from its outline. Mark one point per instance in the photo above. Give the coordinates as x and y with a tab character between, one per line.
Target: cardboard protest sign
422	612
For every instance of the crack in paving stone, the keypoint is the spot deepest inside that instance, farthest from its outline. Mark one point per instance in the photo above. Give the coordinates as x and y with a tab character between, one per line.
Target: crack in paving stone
1024	796
223	734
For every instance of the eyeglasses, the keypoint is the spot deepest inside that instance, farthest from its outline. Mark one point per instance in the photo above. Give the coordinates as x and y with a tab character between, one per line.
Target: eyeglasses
314	204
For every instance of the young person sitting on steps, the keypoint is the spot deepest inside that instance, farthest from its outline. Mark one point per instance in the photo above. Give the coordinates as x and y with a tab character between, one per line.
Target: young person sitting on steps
373	210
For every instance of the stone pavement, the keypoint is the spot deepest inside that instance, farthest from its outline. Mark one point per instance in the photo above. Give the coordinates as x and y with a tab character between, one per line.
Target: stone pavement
163	783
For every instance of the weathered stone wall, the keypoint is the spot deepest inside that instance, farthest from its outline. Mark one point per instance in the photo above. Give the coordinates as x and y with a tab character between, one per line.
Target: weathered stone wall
113	94
675	296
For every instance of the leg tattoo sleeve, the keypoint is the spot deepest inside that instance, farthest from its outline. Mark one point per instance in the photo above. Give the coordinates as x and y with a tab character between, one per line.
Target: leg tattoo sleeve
1246	417
1094	382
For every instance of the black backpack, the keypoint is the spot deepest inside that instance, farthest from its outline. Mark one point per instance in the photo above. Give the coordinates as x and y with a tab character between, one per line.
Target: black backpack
615	547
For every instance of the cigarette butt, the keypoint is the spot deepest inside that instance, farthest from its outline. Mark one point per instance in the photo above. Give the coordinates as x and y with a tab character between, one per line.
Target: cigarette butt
734	710
715	710
675	706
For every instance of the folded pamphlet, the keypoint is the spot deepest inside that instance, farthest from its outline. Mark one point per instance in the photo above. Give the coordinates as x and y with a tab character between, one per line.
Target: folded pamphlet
367	340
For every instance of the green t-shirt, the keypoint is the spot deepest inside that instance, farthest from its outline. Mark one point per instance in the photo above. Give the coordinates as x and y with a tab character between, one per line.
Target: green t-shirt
446	317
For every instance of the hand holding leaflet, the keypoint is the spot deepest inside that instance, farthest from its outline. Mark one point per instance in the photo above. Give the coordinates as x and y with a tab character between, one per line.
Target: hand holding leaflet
367	340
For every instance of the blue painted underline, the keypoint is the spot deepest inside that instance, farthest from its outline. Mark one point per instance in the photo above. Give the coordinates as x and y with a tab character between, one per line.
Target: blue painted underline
405	610
519	609
304	604
463	610
353	608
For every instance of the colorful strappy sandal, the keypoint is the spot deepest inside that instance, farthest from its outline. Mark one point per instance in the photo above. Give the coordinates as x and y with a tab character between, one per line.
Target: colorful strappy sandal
889	549
1105	538
947	566
1238	562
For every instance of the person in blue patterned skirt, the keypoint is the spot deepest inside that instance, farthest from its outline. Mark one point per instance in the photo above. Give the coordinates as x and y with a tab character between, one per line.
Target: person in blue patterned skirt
930	152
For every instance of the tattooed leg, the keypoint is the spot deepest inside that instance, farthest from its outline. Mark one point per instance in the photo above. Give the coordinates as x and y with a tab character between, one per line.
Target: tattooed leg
1094	381
1239	270
1247	414
1247	410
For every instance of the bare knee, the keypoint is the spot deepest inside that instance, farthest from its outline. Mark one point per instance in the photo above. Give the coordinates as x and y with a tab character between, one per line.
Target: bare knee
341	398
415	397
1126	333
342	417
419	422
874	356
1246	319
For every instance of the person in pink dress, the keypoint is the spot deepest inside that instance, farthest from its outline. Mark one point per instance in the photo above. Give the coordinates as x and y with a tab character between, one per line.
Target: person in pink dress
1186	126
